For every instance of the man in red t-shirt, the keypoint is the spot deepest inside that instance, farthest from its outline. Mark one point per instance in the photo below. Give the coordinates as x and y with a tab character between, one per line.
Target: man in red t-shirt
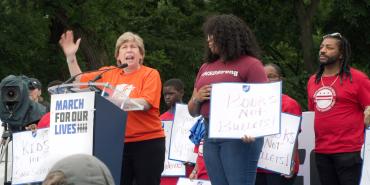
340	97
173	91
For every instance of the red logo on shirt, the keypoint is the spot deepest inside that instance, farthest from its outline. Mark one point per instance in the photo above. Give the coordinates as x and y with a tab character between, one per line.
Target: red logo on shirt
324	98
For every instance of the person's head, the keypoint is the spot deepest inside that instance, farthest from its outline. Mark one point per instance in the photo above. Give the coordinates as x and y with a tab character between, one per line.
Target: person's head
130	49
173	91
34	88
79	169
228	38
273	72
335	50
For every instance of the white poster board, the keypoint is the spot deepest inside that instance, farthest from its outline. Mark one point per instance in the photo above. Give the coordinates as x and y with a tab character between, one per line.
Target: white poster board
365	175
71	124
306	143
238	109
171	167
181	148
30	151
277	151
186	181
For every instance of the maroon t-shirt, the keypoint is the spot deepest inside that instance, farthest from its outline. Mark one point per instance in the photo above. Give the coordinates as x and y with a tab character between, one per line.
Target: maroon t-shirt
339	112
244	69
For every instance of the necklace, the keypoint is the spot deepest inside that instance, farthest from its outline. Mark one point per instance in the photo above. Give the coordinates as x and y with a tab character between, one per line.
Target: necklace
322	82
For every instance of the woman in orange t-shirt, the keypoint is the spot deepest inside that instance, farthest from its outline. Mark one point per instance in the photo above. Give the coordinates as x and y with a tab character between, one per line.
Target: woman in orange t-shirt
144	149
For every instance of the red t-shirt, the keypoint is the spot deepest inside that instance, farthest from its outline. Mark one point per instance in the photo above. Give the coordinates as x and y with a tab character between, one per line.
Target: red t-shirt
339	111
289	105
44	121
245	69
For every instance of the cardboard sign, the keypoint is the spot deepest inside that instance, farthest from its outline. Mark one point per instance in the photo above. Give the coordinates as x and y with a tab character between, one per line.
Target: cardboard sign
30	153
186	181
181	148
277	151
239	109
171	167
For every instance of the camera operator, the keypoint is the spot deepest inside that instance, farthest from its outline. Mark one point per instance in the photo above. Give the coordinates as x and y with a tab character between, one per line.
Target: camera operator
35	92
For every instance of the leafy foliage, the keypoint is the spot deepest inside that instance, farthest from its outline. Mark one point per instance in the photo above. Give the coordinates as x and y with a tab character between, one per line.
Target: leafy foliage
171	29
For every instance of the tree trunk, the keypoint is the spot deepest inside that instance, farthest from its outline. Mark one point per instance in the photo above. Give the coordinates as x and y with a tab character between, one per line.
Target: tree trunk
305	18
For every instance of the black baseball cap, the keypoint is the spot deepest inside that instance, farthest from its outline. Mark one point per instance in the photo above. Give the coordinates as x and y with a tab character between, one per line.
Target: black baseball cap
34	83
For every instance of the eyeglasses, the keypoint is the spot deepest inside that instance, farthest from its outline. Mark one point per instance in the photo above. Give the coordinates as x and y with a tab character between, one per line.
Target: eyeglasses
336	34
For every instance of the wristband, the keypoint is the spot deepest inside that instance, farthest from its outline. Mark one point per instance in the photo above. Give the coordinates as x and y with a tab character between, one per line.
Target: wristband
195	101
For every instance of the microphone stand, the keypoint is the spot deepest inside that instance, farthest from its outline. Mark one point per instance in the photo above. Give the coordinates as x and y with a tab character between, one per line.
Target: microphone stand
99	76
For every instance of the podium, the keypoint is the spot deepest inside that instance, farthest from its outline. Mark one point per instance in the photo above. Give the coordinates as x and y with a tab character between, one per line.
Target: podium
109	123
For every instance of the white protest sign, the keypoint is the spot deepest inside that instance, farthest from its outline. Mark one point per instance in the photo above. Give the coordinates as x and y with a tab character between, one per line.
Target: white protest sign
181	148
277	150
71	124
171	167
186	181
238	109
365	176
30	152
306	145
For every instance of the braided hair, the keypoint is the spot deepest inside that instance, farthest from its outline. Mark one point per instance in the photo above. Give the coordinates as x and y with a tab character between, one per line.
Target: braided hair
232	36
345	50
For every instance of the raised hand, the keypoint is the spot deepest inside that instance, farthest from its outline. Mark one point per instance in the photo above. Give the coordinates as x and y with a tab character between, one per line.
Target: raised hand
68	44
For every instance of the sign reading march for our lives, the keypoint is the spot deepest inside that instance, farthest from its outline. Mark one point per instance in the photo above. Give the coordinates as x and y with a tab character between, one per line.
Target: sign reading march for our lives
171	167
30	151
181	148
239	109
365	176
71	124
277	151
186	181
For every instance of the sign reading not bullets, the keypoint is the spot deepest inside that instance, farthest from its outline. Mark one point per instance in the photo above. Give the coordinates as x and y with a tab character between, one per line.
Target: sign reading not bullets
239	109
277	151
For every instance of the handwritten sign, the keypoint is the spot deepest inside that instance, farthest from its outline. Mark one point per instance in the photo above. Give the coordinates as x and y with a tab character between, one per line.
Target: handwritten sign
365	176
171	167
186	181
238	109
277	150
30	152
71	124
181	148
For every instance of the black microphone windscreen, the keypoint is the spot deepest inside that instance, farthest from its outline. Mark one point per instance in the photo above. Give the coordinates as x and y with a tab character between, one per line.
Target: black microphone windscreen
122	65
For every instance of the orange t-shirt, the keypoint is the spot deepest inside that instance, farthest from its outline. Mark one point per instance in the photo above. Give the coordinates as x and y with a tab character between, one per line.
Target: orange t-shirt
140	125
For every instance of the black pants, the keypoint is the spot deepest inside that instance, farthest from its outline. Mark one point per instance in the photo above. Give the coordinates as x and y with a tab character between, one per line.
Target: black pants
143	162
339	169
273	179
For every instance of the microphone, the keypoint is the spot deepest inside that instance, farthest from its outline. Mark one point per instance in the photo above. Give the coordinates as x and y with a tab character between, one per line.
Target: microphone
99	76
73	78
106	70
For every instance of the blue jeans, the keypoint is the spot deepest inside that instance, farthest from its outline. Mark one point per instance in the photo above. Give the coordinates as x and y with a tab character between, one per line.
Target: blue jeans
231	161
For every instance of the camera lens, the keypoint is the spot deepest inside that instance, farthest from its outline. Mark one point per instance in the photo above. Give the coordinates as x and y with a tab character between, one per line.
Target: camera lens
11	94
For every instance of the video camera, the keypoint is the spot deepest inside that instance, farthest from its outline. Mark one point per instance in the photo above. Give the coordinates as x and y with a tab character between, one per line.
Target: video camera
16	108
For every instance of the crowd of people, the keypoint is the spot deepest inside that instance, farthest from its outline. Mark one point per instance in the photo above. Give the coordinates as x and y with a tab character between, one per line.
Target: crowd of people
338	94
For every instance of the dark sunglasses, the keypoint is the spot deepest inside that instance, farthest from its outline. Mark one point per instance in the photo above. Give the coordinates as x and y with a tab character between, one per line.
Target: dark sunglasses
335	35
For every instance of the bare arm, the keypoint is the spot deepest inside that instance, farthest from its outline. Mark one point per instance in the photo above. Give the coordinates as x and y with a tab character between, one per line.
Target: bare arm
367	116
70	48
